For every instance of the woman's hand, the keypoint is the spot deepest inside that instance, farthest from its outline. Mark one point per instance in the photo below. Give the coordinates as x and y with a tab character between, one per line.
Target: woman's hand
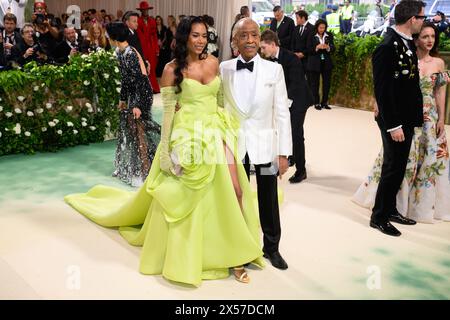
137	113
440	128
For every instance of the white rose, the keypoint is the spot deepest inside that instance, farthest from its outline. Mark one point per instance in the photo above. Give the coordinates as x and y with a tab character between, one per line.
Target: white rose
39	110
8	114
43	85
401	56
1	108
48	105
36	88
17	110
69	124
59	132
84	124
51	124
30	114
75	132
18	128
106	76
99	109
21	98
118	90
108	124
56	121
86	83
27	133
405	72
117	82
0	134
116	70
69	108
90	110
44	129
84	56
88	105
6	129
92	128
83	119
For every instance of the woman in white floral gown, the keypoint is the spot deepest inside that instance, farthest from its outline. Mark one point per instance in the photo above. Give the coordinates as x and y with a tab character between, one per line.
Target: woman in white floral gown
425	192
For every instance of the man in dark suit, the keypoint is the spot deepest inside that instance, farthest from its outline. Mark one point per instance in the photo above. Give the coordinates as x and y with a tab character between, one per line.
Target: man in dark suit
400	109
298	92
10	34
131	21
283	26
70	46
302	32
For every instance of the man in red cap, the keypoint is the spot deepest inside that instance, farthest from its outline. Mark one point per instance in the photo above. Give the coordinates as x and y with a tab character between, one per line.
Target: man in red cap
148	37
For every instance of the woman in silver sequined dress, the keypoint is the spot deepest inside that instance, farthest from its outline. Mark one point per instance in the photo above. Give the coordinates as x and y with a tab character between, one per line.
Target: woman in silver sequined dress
138	135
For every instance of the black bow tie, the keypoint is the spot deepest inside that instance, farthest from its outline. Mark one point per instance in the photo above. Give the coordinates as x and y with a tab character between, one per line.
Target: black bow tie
249	66
274	59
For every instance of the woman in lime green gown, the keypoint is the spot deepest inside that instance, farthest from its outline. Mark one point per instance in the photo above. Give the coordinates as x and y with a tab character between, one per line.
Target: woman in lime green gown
194	217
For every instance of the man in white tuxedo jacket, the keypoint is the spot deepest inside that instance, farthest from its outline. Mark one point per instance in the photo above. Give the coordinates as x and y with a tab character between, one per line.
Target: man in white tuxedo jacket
255	93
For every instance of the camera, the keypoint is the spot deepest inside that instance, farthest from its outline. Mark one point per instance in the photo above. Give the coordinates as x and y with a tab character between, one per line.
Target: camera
40	18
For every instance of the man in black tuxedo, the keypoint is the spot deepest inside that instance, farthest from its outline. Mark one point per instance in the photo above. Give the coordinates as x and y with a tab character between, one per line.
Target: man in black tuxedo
70	46
302	32
283	26
10	34
130	19
400	109
298	92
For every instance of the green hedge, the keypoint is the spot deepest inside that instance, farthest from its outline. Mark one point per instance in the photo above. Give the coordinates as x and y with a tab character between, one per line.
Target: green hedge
46	108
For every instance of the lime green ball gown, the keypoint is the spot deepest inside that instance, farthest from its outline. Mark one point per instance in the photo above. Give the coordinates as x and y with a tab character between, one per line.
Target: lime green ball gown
190	226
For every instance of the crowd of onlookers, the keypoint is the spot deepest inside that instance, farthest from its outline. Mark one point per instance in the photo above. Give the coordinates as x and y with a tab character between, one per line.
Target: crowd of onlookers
53	40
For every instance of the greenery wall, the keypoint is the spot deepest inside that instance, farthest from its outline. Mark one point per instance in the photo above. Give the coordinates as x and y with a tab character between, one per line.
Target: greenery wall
48	107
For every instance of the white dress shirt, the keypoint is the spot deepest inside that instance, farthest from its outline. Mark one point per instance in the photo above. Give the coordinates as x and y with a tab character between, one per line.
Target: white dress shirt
245	84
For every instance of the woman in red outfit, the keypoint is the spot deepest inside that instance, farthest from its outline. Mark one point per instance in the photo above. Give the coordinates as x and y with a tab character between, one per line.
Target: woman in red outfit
148	37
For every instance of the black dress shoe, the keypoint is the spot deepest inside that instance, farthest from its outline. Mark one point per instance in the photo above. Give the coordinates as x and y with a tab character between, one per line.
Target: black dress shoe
326	106
398	218
276	259
386	228
318	107
298	177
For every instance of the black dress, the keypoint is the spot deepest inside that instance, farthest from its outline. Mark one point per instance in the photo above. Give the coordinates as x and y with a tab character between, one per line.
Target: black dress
165	53
137	139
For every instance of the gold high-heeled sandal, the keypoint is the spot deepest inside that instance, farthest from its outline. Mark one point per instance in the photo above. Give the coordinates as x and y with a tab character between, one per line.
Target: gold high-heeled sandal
244	278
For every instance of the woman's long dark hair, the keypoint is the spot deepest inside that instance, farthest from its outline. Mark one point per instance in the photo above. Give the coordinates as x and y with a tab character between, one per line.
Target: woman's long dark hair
181	51
318	23
434	52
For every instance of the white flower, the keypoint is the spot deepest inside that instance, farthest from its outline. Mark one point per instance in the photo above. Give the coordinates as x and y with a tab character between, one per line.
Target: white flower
44	129
6	129
409	53
116	70
86	83
1	108
69	124
17	110
92	128
108	124
48	105
90	110
59	132
36	88
118	90
401	56
43	85
99	109
27	133
18	128
84	124
69	108
405	72
39	110
400	63
117	82
83	119
84	56
75	131
395	43
88	105
21	98
0	99
0	134
106	76
8	114
30	114
51	124
56	121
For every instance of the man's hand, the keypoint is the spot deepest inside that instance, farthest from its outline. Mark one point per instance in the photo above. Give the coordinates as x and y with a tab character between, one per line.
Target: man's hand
397	135
28	53
8	46
137	113
73	52
122	105
283	166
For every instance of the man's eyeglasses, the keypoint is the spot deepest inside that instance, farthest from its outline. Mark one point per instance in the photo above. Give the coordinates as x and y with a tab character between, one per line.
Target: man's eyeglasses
420	17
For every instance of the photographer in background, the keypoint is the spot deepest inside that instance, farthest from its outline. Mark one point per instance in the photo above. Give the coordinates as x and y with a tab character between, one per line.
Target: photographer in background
69	47
440	21
9	34
45	29
29	49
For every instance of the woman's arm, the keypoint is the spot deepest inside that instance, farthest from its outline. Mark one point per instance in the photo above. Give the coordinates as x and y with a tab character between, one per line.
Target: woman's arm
439	95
